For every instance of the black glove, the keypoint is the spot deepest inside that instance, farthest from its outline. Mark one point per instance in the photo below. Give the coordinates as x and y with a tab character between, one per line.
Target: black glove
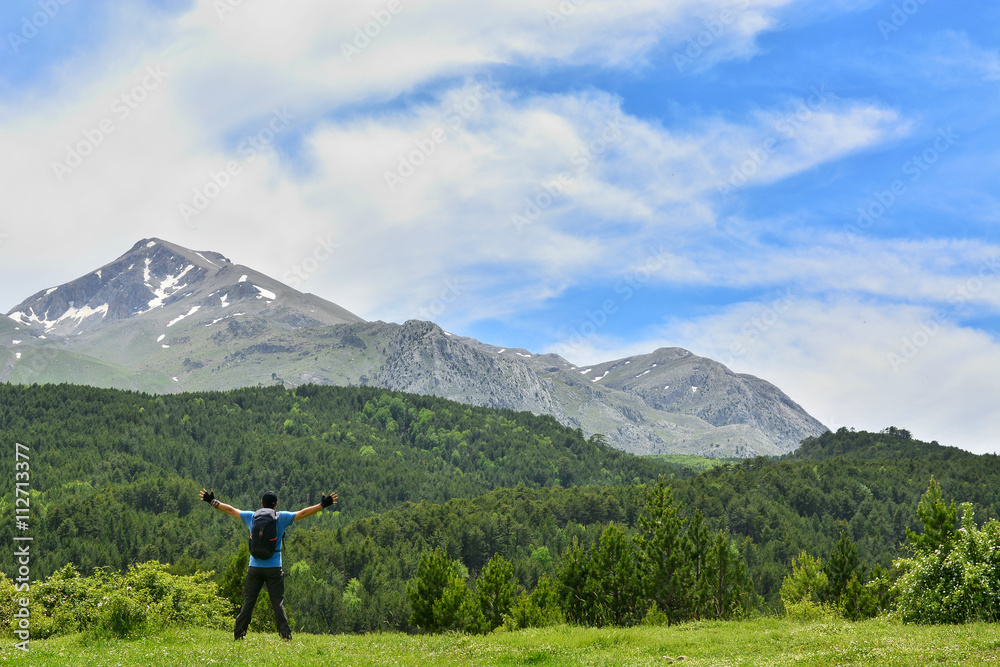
326	501
208	496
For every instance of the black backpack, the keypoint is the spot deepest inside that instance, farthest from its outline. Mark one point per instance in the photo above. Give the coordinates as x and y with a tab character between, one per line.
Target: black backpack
264	533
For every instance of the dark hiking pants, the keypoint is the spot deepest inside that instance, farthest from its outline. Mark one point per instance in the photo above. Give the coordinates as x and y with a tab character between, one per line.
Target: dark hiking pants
257	578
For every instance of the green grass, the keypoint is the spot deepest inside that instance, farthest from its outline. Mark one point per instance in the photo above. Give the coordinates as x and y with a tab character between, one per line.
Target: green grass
693	462
764	642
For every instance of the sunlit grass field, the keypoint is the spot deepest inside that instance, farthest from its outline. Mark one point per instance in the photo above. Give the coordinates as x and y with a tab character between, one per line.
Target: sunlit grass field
693	462
765	642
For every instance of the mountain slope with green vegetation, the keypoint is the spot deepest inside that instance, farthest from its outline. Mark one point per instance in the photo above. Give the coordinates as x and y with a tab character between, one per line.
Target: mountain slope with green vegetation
116	474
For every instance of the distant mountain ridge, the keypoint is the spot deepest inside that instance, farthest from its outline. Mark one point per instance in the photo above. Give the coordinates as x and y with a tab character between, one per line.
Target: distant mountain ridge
162	318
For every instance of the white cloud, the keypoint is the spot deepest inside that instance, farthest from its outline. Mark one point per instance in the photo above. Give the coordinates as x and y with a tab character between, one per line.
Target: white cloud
575	169
314	54
953	54
225	75
935	271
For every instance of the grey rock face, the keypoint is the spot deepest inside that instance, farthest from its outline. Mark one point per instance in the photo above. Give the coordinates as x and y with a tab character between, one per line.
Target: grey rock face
422	359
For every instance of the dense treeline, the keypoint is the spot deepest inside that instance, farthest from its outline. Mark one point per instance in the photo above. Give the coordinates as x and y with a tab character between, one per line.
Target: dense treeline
672	570
867	489
115	475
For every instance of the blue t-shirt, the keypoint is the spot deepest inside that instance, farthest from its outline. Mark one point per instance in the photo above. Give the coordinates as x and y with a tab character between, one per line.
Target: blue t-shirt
284	521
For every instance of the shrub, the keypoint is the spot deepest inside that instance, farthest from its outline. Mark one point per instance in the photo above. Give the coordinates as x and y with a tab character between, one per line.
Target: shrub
955	583
178	600
111	604
124	614
807	610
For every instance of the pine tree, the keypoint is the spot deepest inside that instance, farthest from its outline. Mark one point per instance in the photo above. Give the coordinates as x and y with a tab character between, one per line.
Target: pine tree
495	591
699	543
578	600
539	608
457	608
805	581
664	546
435	575
614	580
842	566
939	523
728	587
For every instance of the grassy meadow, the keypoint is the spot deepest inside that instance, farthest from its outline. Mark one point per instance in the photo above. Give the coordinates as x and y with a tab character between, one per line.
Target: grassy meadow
766	642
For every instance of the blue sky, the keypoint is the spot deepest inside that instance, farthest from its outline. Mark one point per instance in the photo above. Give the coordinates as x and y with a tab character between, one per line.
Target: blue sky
804	191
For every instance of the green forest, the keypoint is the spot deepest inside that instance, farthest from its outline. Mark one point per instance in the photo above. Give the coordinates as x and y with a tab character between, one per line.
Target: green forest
454	517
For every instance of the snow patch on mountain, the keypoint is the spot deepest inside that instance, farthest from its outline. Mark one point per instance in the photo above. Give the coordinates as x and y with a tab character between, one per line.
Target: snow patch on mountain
177	319
79	314
168	286
206	259
267	294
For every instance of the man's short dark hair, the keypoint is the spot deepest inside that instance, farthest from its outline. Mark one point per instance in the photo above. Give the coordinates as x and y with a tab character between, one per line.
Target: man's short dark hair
269	499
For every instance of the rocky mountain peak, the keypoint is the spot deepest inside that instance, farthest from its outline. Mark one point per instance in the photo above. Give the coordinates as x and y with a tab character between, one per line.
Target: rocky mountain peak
153	276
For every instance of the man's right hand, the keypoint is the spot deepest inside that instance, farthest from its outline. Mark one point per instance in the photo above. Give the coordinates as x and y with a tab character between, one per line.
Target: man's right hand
208	496
326	501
